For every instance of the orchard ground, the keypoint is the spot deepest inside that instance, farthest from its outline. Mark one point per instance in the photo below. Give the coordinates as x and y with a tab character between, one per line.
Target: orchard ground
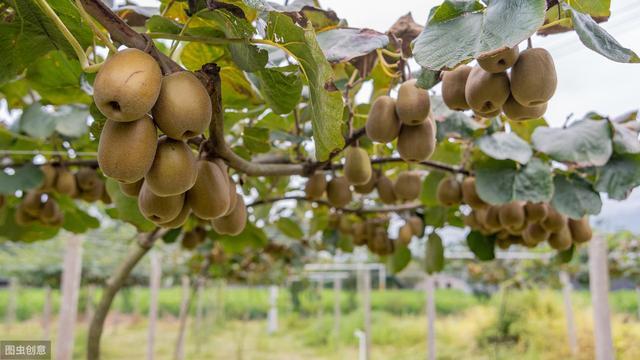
523	324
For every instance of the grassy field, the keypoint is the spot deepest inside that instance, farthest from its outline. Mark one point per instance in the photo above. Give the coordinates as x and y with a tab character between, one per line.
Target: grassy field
521	324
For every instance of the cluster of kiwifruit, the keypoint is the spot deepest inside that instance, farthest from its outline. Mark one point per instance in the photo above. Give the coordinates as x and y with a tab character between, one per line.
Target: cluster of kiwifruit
518	222
193	238
408	119
372	232
164	174
36	207
488	89
407	187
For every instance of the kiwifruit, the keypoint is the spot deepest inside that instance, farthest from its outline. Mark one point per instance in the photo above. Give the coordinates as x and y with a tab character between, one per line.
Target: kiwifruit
486	92
385	190
179	220
357	166
209	197
407	186
470	220
105	198
382	123
127	85
417	143
233	223
316	186
487	115
183	109
232	194
514	111
358	232
56	220
470	195
503	243
555	221
49	210
561	240
498	60
512	215
334	220
87	178
193	238
417	225
413	104
369	186
492	218
344	224
22	218
131	189
93	194
338	192
49	180
580	230
405	234
481	217
159	209
66	182
453	85
32	204
533	77
449	191
174	169
535	234
536	212
126	150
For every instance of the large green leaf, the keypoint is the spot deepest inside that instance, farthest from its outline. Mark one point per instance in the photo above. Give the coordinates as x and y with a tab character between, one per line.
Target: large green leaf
429	188
597	39
256	139
575	197
126	208
503	146
592	7
57	78
290	228
39	122
457	32
75	220
280	90
32	34
483	247
434	256
456	124
25	177
619	176
525	129
11	231
251	237
400	259
325	100
344	44
625	140
500	182
585	142
195	54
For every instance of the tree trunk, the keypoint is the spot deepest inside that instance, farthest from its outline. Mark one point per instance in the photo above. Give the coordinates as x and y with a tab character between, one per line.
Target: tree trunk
599	285
568	312
71	276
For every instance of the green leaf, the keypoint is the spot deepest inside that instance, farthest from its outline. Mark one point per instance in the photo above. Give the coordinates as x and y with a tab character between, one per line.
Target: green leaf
625	140
564	256
126	208
344	44
32	34
525	129
503	146
319	220
457	124
281	91
11	231
244	54
76	220
428	78
290	228
575	197
585	142
325	100
14	92
56	78
429	188
237	91
25	177
434	256
597	39
619	176
500	182
160	24
483	247
37	122
196	54
592	7
251	237
400	259
448	152
171	236
71	121
256	139
457	33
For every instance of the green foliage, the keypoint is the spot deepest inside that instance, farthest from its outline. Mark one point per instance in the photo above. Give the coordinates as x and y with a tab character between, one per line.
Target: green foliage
126	208
434	256
503	146
483	247
575	197
25	177
499	182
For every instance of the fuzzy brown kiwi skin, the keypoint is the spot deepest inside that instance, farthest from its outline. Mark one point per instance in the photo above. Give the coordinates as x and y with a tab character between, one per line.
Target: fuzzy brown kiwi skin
417	225
407	186
561	240
369	186
382	123
453	84
534	233
413	104
174	169
470	195
66	182
357	167
533	77
580	230
159	209
208	198
486	92
233	223
417	143
449	191
554	221
499	60
385	190
512	215
179	220
517	112
492	218
131	190
50	174
338	192
316	186
536	212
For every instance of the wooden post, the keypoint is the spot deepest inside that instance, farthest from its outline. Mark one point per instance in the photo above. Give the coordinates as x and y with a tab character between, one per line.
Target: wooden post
155	277
599	286
10	315
272	321
46	313
568	312
382	278
198	323
431	316
366	289
337	288
71	276
184	308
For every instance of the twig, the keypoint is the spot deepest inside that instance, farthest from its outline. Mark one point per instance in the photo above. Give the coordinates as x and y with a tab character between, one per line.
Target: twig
381	209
